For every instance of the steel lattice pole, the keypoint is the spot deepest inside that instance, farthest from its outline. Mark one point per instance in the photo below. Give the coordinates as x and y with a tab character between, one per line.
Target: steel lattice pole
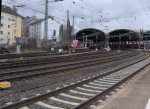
46	22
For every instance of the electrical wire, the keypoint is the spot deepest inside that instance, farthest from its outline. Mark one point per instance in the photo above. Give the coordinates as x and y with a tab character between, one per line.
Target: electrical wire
92	7
102	19
25	7
115	18
144	8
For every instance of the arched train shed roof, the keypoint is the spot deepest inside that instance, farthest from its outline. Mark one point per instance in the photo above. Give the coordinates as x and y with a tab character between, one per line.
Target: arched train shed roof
89	32
146	35
121	31
124	34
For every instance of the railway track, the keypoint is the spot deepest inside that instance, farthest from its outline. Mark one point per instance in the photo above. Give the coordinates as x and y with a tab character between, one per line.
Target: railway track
28	73
82	94
49	59
64	77
49	62
37	54
34	54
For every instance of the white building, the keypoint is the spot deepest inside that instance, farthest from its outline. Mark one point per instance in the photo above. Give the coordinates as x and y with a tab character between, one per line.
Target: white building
26	21
35	29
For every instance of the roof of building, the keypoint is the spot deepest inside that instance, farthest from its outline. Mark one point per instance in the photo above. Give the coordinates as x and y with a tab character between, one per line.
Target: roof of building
146	33
91	34
8	10
37	21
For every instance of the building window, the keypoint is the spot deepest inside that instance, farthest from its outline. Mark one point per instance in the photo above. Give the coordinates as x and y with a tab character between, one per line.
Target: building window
9	19
8	26
1	32
8	33
1	25
15	38
15	31
16	18
2	17
1	40
15	25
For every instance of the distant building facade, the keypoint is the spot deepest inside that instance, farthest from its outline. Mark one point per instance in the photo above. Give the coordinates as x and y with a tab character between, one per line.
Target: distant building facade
26	21
146	39
10	25
35	29
65	36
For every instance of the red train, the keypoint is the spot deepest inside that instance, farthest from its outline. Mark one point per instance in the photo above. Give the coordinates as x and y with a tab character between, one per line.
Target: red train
75	44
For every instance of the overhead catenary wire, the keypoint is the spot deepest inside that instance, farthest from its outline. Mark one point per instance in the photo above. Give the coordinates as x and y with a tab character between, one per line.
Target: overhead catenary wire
126	17
115	18
144	8
90	10
101	19
123	18
92	7
145	13
25	7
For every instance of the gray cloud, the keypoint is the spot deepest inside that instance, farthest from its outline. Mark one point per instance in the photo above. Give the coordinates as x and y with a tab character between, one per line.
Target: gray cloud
132	14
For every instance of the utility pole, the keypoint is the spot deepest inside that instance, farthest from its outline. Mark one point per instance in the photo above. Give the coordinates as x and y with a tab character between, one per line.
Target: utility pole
119	42
68	31
83	39
73	29
108	36
96	41
46	22
86	40
140	38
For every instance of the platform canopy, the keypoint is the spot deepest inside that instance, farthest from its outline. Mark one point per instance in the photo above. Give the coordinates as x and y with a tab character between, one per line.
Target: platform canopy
91	34
124	35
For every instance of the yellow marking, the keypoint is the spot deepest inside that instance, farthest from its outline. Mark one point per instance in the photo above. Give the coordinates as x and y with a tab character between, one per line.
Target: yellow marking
4	85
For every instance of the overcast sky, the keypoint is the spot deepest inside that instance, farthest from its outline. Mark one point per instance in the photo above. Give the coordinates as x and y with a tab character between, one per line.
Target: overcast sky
105	15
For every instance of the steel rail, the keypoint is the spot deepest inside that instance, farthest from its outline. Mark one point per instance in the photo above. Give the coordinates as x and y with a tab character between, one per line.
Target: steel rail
102	68
62	65
70	66
32	54
107	91
43	61
47	95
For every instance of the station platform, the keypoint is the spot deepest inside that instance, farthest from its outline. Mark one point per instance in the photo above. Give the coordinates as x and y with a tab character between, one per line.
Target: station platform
134	95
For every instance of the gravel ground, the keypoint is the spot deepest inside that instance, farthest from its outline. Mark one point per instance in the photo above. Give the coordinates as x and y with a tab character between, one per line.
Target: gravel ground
45	65
56	80
125	72
78	72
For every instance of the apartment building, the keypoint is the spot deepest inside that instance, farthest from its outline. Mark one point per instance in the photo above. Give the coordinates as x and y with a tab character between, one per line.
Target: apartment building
10	26
26	21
